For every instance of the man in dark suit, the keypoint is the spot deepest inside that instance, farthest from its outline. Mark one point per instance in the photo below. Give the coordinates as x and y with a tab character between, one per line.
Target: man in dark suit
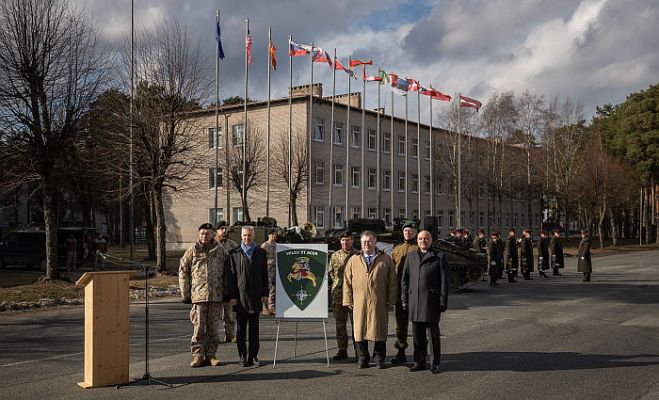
424	292
249	280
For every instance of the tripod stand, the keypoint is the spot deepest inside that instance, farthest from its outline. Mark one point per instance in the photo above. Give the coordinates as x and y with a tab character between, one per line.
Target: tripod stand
146	378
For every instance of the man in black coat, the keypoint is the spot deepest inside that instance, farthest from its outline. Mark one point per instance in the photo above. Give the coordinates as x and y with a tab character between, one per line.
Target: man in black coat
424	292
556	252
249	278
543	254
510	256
526	254
494	258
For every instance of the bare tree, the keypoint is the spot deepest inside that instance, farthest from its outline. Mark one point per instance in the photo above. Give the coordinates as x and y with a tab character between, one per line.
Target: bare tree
298	169
50	71
254	155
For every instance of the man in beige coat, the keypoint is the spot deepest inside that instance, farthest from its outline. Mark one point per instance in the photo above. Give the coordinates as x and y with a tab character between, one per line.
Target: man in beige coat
369	286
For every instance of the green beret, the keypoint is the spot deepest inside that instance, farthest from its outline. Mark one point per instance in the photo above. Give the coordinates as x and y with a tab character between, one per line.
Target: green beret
410	224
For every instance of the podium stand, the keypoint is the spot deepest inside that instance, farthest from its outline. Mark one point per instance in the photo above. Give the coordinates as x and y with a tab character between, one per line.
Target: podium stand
106	328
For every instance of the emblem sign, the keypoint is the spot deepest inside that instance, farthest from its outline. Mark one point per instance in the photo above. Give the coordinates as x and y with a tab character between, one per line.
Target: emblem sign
301	271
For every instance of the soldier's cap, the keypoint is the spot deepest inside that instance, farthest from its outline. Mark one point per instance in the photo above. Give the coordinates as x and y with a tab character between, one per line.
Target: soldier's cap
410	224
206	226
222	224
345	234
494	233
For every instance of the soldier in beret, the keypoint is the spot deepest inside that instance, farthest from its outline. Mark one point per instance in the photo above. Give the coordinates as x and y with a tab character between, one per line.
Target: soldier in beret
342	314
222	237
270	247
494	258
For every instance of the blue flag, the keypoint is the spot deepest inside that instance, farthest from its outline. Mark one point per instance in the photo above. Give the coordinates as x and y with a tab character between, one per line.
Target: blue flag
220	51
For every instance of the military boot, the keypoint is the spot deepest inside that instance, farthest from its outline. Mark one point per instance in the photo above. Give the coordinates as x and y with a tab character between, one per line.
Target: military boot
341	354
197	361
214	361
400	358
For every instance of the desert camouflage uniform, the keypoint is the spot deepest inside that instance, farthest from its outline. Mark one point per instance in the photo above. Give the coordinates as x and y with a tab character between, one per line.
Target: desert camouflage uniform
337	265
398	255
271	251
227	312
202	278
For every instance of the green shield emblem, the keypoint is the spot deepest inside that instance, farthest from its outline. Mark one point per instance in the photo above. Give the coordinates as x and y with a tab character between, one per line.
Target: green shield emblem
302	274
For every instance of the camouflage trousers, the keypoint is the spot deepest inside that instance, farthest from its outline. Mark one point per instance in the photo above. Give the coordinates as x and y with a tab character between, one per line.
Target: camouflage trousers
341	316
272	284
228	320
205	318
402	323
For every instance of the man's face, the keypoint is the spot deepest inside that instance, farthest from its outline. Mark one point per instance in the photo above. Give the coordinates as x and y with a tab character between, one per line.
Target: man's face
247	237
424	240
494	238
409	233
205	236
368	244
346	243
223	231
511	233
272	237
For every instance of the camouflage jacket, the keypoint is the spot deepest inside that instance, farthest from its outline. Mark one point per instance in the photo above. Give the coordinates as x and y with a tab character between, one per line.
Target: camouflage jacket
227	243
337	265
202	273
271	252
400	252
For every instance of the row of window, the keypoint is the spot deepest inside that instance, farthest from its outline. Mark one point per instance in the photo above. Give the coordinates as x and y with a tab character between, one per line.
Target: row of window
237	136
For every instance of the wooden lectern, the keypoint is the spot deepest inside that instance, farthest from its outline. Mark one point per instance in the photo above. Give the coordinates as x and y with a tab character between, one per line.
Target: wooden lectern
106	328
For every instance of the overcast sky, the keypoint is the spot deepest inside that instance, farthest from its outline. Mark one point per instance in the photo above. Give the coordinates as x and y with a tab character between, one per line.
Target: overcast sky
594	51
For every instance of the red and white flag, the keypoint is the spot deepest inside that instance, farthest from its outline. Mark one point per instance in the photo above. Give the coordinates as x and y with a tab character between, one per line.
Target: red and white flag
339	67
320	55
413	85
248	47
354	63
469	102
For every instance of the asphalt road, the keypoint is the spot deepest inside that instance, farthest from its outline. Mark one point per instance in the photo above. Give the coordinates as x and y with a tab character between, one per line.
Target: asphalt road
543	339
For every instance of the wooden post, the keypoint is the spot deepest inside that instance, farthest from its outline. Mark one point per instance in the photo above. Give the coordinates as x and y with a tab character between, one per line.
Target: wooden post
106	328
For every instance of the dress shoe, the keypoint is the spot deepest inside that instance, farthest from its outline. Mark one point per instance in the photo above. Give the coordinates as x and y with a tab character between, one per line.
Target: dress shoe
256	362
214	361
363	364
381	364
435	368
400	357
418	367
197	361
341	354
244	362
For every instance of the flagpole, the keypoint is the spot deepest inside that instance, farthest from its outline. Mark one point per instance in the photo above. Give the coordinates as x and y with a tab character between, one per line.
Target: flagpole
331	140
245	130
347	141
418	147
217	120
378	162
458	216
267	163
290	128
363	144
432	165
391	156
407	152
309	208
131	196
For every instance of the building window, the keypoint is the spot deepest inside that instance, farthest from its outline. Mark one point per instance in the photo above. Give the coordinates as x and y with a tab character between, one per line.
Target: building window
386	143
401	145
320	217
440	219
238	135
386	179
426	149
426	184
355	136
237	214
355	212
214	178
438	186
415	148
371	139
319	130
386	215
426	213
507	219
320	173
481	220
401	181
401	213
212	138
338	217
372	213
372	175
219	215
356	176
338	133
415	214
338	174
415	183
451	218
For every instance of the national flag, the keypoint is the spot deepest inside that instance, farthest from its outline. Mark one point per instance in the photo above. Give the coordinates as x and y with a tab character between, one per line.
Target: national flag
354	63
220	51
413	85
272	52
398	86
375	78
435	94
468	102
248	47
384	77
296	50
320	55
339	67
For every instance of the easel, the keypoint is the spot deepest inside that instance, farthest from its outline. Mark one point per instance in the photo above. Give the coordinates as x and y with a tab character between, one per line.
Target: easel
297	321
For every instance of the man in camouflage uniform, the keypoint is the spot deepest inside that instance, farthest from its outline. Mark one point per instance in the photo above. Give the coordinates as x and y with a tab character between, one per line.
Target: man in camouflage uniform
398	254
202	280
337	265
222	237
270	247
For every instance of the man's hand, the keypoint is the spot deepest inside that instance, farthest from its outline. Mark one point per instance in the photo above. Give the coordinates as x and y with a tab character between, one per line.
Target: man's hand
187	300
404	306
233	302
264	299
350	306
442	308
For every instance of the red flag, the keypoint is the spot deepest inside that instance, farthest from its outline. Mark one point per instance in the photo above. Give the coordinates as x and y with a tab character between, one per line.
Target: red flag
413	86
468	102
354	63
434	93
320	55
272	51
339	67
248	47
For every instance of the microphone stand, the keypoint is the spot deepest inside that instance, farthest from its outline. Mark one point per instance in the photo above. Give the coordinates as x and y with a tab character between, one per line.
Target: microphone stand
146	378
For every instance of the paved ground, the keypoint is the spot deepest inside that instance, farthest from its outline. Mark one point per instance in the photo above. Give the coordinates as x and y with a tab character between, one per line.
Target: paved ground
545	339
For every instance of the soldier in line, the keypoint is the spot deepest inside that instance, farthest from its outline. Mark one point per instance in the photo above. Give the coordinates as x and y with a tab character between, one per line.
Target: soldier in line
71	246
467	238
398	254
543	254
556	252
494	258
222	237
479	244
510	256
526	254
202	281
336	269
584	263
270	247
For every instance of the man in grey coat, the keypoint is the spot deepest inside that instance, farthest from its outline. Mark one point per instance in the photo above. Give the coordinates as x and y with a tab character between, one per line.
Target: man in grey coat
424	292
